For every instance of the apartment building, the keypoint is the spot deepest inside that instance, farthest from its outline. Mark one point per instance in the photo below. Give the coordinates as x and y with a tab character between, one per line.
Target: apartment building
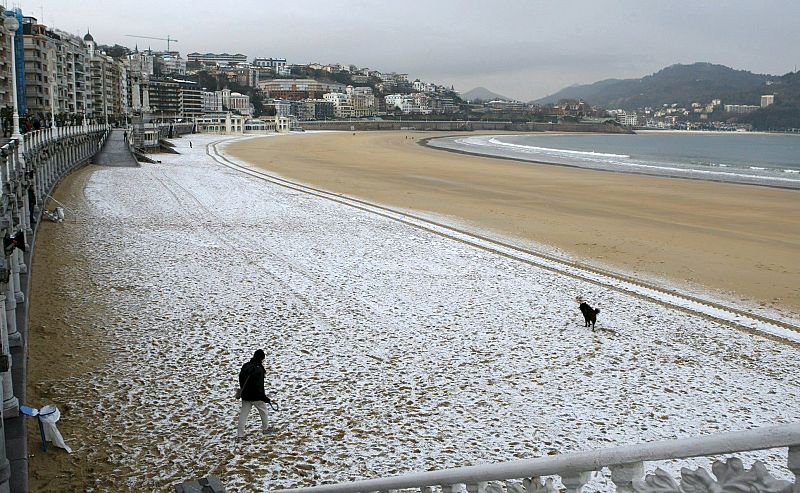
418	103
5	67
170	63
212	101
217	58
362	100
628	119
40	66
342	106
315	109
297	89
275	64
191	99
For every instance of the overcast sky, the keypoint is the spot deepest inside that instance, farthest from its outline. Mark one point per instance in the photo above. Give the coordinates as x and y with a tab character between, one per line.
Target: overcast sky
523	49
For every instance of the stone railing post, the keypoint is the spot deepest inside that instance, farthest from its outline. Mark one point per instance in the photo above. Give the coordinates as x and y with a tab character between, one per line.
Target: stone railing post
574	481
14	337
5	465
476	487
10	401
623	476
450	488
19	296
793	464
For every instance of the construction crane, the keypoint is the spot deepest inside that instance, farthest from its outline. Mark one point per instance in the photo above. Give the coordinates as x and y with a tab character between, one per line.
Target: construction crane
167	39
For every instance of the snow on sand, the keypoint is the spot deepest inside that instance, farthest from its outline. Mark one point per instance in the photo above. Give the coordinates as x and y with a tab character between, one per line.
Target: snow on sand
390	349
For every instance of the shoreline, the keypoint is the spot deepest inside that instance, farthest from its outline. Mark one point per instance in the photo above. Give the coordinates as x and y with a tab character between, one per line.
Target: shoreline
426	143
637	224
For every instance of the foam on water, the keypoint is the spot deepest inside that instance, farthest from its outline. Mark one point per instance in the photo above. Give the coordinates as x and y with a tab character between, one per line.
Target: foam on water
498	145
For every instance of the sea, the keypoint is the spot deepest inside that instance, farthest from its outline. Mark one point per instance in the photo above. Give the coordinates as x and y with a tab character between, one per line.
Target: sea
757	159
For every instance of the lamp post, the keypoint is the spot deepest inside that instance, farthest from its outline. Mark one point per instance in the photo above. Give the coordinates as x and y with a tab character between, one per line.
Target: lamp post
11	24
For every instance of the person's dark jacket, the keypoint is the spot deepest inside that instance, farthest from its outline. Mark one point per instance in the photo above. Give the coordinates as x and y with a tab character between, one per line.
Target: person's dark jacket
251	381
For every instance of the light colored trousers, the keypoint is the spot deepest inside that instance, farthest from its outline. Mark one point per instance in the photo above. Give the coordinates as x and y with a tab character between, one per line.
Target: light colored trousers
261	406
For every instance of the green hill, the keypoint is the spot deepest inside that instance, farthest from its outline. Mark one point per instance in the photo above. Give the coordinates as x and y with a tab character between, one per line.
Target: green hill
785	113
682	84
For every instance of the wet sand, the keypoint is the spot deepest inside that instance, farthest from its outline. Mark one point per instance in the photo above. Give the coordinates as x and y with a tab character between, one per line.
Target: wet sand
739	241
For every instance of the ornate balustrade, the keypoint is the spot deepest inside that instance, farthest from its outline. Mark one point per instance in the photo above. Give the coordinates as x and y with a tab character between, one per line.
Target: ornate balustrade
29	170
626	465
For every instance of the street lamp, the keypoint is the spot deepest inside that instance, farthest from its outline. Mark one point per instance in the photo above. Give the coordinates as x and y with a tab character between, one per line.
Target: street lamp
11	24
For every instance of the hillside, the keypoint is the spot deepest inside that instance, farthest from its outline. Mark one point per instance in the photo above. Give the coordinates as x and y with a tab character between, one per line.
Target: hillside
682	84
785	113
483	94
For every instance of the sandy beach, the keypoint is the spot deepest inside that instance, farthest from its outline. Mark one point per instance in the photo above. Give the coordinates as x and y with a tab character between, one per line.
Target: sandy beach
740	241
147	300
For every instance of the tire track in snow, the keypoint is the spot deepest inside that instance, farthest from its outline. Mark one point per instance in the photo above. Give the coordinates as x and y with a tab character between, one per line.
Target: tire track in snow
232	246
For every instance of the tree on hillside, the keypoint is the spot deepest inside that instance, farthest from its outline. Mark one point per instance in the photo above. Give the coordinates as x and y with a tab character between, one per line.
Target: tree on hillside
779	116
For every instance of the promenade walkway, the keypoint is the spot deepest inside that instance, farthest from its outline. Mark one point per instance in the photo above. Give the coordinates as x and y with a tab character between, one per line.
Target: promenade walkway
115	152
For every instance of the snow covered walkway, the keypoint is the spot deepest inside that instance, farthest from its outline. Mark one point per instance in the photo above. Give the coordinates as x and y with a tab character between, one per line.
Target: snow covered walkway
389	348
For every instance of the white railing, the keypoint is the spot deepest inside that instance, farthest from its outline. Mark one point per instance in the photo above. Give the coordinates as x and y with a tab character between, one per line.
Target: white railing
626	464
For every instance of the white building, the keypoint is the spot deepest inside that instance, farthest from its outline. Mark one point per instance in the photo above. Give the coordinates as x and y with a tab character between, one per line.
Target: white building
172	63
628	119
418	103
237	102
767	99
740	109
342	106
276	64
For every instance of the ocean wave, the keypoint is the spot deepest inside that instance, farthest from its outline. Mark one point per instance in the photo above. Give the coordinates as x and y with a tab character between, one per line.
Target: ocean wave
571	152
595	160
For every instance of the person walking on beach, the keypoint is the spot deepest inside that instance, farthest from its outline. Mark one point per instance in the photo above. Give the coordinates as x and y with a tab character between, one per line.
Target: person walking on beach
251	383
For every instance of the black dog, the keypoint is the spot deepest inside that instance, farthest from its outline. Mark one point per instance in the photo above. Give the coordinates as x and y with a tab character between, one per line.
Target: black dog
589	314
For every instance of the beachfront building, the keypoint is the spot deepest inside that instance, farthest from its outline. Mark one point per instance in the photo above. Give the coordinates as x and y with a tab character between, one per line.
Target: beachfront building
228	123
164	99
362	100
5	67
100	69
628	119
415	103
212	101
767	100
190	99
221	123
39	66
342	108
279	107
315	109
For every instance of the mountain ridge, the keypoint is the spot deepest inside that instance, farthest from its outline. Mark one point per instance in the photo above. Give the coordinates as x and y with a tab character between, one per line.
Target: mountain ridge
679	83
483	94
